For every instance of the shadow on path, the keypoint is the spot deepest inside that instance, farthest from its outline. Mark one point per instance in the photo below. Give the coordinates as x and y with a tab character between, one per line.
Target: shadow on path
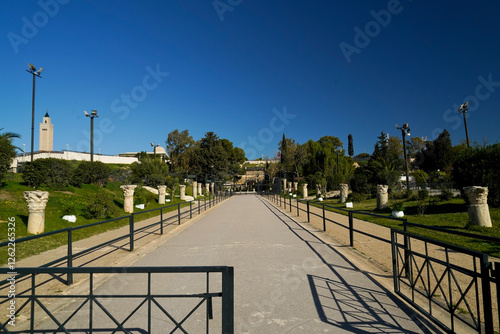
354	303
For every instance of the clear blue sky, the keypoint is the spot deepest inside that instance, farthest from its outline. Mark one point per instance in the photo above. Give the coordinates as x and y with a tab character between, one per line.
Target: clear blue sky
324	67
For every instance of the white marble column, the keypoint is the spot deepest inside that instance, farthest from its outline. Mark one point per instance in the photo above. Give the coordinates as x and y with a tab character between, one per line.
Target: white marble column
37	200
295	186
344	190
199	189
128	197
162	191
382	196
478	210
304	190
195	189
182	192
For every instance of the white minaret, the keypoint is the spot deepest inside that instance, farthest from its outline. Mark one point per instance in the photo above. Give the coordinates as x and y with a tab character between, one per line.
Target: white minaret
46	134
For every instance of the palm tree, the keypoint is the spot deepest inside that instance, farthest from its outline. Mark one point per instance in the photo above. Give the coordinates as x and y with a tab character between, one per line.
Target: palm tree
7	152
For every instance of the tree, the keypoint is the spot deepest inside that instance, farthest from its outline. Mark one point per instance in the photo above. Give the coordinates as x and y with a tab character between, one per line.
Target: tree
350	147
149	171
91	172
437	154
178	143
7	152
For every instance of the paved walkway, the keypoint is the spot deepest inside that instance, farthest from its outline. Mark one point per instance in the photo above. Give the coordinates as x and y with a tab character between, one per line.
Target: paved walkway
288	279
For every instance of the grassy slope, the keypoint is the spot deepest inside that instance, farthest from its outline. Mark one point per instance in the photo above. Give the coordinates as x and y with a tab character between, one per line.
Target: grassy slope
69	201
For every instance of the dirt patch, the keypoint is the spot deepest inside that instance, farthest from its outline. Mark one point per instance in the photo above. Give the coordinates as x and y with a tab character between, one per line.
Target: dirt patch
4	195
65	192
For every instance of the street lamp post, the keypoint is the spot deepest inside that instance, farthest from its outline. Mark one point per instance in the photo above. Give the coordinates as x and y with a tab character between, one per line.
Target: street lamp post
405	131
92	115
462	110
32	70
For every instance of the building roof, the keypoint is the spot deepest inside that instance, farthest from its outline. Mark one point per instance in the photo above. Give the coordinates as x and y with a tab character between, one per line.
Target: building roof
47	114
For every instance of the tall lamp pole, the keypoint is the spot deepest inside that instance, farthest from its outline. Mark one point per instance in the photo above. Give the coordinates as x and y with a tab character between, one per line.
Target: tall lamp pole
92	115
462	110
405	131
32	70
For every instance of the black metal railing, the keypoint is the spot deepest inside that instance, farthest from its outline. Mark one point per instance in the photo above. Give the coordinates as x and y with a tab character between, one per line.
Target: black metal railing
33	311
488	274
451	293
187	213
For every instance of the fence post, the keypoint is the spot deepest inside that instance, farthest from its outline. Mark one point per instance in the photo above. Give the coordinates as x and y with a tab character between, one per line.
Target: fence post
496	280
179	213
407	250
190	210
228	300
199	206
324	220
308	219
284	203
298	213
290	204
131	231
351	229
161	219
70	257
485	285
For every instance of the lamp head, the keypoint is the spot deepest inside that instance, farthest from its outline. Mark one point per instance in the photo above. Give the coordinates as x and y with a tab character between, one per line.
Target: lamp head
94	113
40	70
32	67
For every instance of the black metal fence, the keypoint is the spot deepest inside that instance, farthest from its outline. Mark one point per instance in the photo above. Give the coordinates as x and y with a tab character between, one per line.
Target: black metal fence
474	306
89	313
185	210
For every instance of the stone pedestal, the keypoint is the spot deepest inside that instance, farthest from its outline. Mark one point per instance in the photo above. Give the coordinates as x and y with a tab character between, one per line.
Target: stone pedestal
344	189
182	192
207	188
212	186
295	186
479	213
304	190
382	196
200	193
162	191
128	197
284	185
37	200
195	189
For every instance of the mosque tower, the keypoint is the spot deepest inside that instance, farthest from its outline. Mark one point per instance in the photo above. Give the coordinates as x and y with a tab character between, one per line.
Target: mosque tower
46	134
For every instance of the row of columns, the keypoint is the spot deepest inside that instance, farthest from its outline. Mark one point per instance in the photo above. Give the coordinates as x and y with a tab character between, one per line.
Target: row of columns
477	210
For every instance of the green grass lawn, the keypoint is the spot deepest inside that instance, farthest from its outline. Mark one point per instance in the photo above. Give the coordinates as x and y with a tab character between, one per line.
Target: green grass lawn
70	201
451	214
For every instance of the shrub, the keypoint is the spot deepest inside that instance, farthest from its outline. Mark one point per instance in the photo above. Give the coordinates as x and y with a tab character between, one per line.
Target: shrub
445	195
360	183
398	206
420	176
89	172
51	172
357	197
480	167
422	195
100	206
7	153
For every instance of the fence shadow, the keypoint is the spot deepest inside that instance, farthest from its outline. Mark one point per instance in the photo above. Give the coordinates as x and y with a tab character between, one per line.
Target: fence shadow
355	302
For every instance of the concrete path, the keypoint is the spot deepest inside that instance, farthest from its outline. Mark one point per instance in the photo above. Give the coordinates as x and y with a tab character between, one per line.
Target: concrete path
287	278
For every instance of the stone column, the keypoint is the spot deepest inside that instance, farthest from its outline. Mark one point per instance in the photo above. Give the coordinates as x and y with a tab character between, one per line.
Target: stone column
128	197
382	196
479	213
162	191
344	189
199	189
195	189
284	184
304	190
207	187
37	200
295	186
212	186
318	190
182	192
